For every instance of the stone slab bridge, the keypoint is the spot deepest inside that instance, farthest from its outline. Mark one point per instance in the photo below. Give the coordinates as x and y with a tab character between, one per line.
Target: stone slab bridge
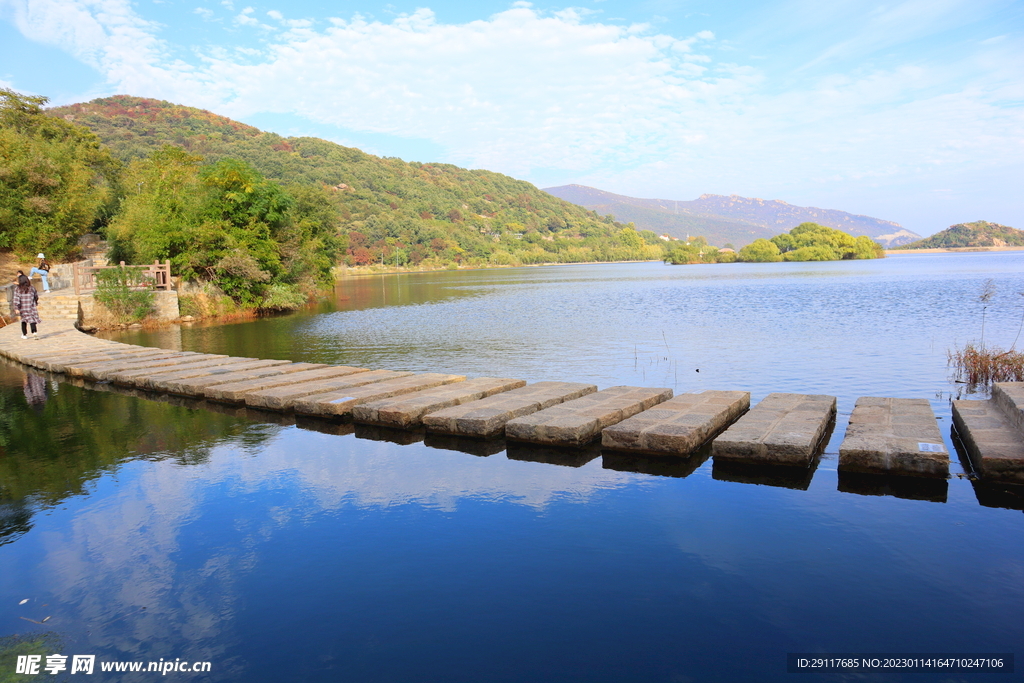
887	436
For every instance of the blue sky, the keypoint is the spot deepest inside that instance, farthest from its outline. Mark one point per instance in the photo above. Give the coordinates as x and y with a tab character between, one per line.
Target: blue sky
911	111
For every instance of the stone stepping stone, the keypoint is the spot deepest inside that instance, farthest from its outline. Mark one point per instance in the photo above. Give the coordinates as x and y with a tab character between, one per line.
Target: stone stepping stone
55	357
679	425
487	417
100	369
236	391
284	397
162	381
197	386
580	421
337	403
894	436
409	410
68	360
198	364
992	432
783	429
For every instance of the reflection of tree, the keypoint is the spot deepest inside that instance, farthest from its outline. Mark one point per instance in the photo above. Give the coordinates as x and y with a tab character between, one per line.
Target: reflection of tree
15	519
53	452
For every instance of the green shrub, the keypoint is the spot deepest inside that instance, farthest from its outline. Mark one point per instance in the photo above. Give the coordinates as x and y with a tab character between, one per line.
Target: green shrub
280	297
125	293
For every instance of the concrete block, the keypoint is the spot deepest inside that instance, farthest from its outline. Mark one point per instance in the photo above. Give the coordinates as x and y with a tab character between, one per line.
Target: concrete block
678	426
894	436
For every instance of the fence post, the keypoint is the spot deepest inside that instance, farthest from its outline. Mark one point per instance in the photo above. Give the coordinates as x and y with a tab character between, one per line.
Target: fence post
75	276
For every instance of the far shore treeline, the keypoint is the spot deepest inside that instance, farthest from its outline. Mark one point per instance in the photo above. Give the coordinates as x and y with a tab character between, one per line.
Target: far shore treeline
263	220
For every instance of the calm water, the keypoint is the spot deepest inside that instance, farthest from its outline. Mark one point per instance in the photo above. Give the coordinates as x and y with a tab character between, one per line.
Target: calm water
150	529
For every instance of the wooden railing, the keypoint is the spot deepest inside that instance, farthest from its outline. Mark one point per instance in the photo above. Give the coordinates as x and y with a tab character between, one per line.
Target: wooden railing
84	277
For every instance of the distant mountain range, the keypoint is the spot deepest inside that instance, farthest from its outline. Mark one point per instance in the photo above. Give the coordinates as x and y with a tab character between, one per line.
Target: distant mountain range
976	234
727	220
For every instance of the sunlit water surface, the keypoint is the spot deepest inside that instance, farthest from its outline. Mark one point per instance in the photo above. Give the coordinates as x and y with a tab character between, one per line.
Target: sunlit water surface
150	529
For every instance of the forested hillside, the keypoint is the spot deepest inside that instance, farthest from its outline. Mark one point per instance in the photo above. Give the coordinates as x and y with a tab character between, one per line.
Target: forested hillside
976	234
391	211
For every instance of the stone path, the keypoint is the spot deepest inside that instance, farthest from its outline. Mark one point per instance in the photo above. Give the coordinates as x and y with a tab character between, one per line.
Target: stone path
638	426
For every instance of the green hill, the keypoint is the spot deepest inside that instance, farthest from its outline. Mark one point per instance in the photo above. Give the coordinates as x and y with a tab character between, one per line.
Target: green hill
392	211
976	234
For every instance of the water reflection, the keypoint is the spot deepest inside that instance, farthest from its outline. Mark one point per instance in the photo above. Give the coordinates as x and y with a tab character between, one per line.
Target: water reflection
478	447
909	488
35	390
798	478
156	527
656	466
565	457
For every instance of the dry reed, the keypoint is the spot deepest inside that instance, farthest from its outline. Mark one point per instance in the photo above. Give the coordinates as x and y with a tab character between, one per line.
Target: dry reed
976	366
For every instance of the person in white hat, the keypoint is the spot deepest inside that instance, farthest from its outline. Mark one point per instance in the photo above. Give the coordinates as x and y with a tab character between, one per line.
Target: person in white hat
43	270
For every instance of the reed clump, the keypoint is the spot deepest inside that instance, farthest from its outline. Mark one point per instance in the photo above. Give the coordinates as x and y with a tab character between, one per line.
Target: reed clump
979	366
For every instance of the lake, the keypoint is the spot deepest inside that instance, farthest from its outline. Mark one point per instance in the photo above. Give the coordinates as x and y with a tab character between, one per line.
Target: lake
151	529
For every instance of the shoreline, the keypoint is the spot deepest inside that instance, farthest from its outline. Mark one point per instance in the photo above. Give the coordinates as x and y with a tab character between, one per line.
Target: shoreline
342	272
950	250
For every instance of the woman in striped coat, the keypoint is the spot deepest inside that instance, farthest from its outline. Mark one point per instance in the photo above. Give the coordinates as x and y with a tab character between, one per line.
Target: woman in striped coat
25	305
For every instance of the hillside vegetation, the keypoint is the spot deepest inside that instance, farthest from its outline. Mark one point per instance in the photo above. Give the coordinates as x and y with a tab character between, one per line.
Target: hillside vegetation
391	211
976	234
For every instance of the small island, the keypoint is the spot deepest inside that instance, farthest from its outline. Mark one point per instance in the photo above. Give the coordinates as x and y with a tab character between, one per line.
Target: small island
805	242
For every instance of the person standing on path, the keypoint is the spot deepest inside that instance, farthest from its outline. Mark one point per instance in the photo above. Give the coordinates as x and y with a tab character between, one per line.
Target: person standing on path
25	305
43	271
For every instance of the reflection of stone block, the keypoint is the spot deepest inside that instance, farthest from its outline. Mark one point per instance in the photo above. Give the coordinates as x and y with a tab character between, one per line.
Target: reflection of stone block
577	422
656	465
783	429
677	426
465	444
894	436
910	488
782	476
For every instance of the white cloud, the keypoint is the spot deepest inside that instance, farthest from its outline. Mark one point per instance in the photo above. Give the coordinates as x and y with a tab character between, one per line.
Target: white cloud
525	92
203	12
